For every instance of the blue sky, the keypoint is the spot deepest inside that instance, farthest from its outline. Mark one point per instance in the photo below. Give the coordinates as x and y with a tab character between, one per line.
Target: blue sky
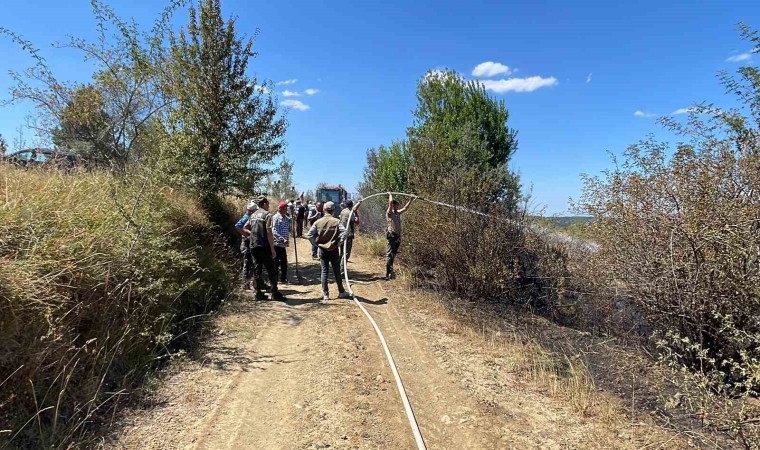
597	63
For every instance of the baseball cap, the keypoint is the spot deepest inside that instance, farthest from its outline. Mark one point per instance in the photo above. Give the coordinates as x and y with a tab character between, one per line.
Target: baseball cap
252	205
329	205
281	204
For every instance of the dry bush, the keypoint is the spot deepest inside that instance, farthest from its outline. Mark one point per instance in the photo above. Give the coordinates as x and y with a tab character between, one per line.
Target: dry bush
98	278
370	245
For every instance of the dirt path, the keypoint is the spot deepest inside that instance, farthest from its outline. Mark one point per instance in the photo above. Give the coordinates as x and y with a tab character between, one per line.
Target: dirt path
306	374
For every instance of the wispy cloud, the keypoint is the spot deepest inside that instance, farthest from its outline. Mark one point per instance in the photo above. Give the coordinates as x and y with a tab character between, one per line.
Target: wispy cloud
311	91
291	81
680	111
740	57
287	93
490	69
529	84
295	104
588	78
644	114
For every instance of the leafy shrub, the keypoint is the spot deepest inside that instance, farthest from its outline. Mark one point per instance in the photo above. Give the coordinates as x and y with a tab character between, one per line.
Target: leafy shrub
98	276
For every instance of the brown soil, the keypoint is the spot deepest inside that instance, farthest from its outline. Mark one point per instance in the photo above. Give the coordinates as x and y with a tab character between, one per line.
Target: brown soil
309	374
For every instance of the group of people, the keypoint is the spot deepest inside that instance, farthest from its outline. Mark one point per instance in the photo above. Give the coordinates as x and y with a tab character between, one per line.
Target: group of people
266	237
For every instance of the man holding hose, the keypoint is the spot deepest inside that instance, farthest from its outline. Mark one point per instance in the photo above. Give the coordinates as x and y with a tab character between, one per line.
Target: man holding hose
393	233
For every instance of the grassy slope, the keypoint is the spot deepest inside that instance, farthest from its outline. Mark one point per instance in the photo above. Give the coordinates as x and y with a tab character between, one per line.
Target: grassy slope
97	277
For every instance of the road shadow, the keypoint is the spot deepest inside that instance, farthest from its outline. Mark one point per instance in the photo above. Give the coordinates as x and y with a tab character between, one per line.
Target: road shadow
382	301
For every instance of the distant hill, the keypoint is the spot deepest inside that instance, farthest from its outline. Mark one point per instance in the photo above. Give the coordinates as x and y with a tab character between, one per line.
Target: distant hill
564	222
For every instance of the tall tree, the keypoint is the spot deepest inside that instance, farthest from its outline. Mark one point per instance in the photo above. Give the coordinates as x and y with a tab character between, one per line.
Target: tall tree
226	125
387	169
460	130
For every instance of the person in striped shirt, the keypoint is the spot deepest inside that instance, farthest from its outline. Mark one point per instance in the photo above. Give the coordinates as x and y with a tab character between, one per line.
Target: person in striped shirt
281	232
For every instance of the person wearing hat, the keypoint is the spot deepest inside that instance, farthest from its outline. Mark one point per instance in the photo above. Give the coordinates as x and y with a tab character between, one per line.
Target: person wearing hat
262	248
281	233
245	244
327	234
350	230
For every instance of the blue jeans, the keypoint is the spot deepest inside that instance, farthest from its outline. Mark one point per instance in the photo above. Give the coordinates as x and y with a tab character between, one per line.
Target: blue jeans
327	258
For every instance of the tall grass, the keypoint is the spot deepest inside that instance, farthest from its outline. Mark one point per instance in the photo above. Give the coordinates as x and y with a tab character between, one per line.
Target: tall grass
98	276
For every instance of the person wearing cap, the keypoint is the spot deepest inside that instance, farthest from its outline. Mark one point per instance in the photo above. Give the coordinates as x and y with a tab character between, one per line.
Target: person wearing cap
245	244
393	233
262	248
315	215
300	217
281	233
350	230
327	234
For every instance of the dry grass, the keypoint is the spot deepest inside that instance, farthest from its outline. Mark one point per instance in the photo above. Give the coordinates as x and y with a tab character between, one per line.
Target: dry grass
606	383
372	246
99	278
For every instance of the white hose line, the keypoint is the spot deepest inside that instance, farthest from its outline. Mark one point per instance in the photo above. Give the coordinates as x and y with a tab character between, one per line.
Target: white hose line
399	384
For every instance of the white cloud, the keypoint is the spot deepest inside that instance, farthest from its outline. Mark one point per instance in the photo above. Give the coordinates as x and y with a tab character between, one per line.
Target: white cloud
311	91
490	69
290	94
588	78
291	81
681	111
529	84
740	57
643	114
295	104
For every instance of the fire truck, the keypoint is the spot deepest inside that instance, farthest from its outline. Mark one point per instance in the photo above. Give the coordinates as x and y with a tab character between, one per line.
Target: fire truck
332	193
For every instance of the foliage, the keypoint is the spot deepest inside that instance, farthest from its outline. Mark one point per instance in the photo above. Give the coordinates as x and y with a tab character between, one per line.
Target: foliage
387	170
460	129
92	293
3	145
223	126
283	186
679	239
105	118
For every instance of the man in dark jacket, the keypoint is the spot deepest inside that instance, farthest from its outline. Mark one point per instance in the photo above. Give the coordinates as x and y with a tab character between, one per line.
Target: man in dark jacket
262	248
327	234
300	217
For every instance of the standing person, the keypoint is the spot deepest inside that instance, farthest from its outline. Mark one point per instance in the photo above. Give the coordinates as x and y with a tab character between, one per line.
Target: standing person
281	233
262	248
315	215
300	217
350	231
393	233
245	244
327	233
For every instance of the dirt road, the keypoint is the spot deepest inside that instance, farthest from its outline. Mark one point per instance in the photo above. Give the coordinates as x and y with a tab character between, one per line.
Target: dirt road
309	374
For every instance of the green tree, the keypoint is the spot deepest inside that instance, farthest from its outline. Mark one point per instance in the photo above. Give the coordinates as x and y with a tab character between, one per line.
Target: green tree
85	127
225	126
460	133
387	169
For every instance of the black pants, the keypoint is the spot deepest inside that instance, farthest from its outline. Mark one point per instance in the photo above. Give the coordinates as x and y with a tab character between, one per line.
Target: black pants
245	252
391	249
349	246
281	261
262	259
327	258
299	228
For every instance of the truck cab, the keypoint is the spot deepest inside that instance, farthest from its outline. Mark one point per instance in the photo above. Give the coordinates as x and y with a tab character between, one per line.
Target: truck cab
332	193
